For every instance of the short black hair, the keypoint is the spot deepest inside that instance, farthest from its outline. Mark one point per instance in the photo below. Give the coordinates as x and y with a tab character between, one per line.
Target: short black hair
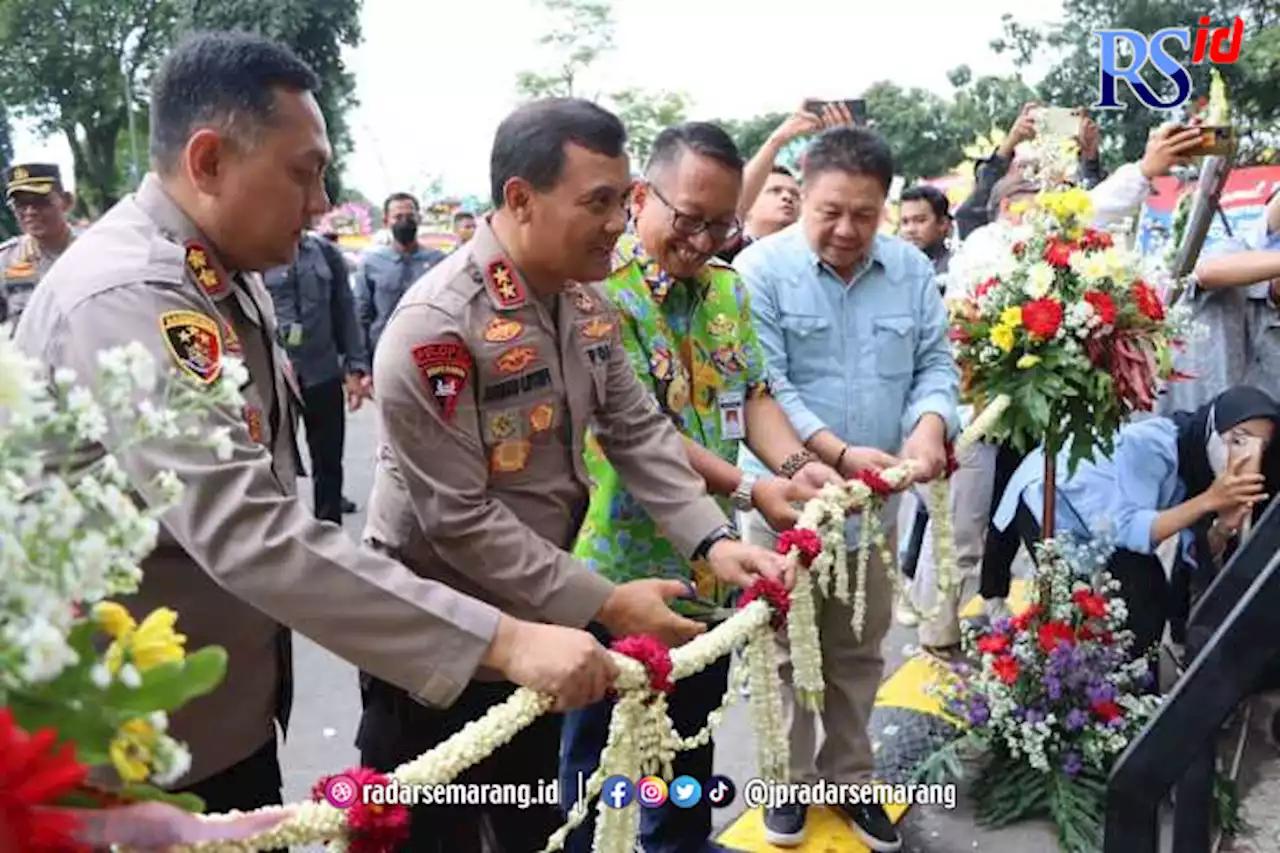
223	80
779	169
930	195
701	137
386	205
855	150
463	216
530	142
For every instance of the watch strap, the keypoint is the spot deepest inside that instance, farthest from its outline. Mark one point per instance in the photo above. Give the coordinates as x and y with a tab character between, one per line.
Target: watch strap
741	497
718	535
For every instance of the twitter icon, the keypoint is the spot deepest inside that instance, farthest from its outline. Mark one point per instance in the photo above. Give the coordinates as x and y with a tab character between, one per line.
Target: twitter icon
685	792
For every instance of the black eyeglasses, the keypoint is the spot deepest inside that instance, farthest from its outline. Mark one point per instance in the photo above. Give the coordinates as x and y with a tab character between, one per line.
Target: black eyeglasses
688	225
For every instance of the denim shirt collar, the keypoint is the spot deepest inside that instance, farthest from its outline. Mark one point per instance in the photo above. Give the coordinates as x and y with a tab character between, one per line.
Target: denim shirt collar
874	258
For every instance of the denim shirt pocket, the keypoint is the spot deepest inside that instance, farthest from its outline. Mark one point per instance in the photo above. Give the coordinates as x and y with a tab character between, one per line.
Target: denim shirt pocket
894	340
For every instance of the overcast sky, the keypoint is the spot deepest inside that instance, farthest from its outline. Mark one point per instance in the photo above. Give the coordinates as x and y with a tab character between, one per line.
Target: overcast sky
435	80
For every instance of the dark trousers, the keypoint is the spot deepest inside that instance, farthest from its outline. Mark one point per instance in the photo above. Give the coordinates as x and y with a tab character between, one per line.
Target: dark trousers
1002	546
251	784
668	829
324	415
395	729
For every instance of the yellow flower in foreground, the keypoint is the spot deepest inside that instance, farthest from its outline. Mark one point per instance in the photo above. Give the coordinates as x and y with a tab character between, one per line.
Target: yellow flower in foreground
1003	337
132	750
155	642
1066	205
1011	317
1028	361
114	619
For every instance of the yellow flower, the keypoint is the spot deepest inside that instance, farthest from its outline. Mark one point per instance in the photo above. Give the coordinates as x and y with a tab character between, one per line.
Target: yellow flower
1003	337
155	642
114	619
1011	317
1067	205
132	750
1028	361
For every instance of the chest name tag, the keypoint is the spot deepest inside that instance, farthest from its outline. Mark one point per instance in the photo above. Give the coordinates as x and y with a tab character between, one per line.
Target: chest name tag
599	354
732	414
520	385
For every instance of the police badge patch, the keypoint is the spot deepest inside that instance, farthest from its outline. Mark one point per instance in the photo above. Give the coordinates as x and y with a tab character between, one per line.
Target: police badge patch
195	344
445	367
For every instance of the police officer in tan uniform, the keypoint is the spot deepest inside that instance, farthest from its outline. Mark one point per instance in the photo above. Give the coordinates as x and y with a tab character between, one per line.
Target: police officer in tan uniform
39	202
489	373
168	267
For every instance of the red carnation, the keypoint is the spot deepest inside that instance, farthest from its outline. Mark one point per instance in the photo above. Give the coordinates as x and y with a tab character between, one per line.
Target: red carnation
1024	619
1092	605
1018	248
1094	239
993	644
653	655
1006	668
1103	305
1042	317
1149	304
1058	253
878	485
807	542
371	827
1054	634
1106	711
34	772
985	287
775	594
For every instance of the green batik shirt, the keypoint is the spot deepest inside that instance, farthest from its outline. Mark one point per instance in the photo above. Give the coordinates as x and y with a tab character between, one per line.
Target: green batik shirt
693	345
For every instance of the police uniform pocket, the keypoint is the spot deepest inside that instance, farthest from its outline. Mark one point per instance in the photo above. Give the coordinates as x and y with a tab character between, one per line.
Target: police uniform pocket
895	346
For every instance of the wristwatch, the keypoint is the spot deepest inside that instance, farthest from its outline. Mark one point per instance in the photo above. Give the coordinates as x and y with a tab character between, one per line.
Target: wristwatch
741	497
720	534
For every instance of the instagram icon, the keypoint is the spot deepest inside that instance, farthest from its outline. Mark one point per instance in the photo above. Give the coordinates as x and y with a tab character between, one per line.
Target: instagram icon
651	791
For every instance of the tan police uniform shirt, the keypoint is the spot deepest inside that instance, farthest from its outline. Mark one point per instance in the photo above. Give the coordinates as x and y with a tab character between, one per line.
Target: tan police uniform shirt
23	263
240	554
483	400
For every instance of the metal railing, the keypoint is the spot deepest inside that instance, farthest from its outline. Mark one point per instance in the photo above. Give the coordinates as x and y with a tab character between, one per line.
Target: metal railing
1231	642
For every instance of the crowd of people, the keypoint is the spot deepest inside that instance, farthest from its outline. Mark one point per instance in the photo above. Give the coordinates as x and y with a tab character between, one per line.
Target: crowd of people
595	415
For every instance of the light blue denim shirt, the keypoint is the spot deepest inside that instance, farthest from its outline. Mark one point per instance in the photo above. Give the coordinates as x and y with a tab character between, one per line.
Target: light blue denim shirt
865	360
1117	497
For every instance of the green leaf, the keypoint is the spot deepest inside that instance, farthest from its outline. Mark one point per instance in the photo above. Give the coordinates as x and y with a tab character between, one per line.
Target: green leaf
170	686
149	793
85	727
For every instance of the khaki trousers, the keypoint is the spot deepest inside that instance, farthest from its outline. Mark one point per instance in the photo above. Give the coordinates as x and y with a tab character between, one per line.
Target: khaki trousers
851	670
970	504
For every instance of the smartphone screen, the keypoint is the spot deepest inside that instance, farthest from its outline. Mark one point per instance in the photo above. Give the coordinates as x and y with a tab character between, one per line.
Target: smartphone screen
856	107
1058	121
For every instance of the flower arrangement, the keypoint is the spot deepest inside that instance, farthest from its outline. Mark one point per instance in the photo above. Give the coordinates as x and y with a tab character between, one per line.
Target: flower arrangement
71	539
1064	324
1052	702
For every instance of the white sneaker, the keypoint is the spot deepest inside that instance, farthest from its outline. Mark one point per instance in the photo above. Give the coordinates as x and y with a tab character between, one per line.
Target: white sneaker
996	608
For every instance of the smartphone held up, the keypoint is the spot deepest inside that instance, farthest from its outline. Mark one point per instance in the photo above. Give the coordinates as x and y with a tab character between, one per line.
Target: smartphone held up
855	107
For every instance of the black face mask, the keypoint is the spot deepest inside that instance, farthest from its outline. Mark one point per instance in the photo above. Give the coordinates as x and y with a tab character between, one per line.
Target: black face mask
405	231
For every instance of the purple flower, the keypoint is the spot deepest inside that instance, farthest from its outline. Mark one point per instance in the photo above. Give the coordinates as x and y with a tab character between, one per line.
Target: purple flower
1053	687
1100	691
1071	764
1033	716
978	713
1076	720
1003	625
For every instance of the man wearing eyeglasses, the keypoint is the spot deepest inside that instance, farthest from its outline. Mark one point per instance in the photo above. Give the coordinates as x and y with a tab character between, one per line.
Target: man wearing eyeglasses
39	202
686	329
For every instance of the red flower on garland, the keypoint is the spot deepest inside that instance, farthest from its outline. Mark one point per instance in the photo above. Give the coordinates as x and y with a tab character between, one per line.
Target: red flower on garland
1106	711
1057	253
878	485
1092	605
1018	248
1024	619
1096	240
774	593
985	287
1148	302
1103	305
371	827
1054	634
1006	668
34	773
807	542
1042	317
993	644
653	655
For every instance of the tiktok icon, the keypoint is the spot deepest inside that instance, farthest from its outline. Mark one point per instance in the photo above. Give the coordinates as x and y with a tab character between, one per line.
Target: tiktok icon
720	792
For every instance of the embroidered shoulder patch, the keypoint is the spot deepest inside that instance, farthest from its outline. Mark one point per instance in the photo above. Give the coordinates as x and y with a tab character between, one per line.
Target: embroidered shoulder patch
206	272
507	290
445	367
195	344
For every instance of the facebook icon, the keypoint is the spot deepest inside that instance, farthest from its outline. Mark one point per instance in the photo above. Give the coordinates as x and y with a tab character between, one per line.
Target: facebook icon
618	791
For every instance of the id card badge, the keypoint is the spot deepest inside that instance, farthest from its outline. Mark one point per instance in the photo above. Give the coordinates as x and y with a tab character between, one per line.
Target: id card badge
293	338
732	425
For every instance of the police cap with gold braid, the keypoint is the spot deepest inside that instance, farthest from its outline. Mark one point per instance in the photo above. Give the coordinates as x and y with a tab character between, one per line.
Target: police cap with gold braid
37	178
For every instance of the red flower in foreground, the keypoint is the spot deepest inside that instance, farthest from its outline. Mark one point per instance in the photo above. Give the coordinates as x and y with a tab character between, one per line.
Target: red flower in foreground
1148	301
993	644
807	542
775	594
1096	240
1054	634
1006	668
1106	711
653	655
1103	305
34	773
1057	253
878	485
371	827
1042	317
985	287
1092	605
1024	619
